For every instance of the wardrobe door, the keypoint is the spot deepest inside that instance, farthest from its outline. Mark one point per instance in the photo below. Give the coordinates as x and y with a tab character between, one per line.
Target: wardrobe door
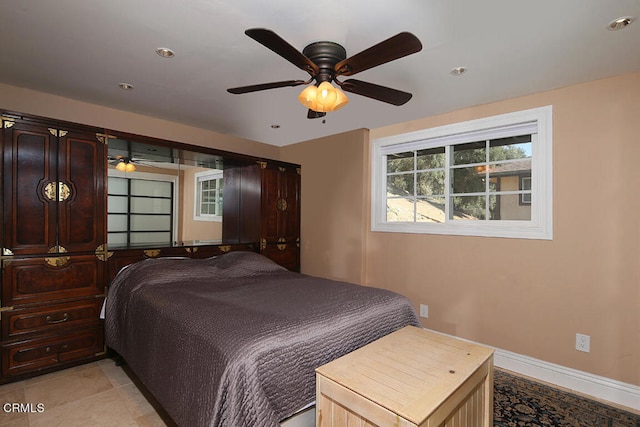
81	166
281	204
280	234
30	187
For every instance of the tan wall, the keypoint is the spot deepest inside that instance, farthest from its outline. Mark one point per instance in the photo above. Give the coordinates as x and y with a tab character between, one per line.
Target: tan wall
334	172
46	105
526	296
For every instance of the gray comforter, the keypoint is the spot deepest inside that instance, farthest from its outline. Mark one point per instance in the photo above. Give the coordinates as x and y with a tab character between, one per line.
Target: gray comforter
234	340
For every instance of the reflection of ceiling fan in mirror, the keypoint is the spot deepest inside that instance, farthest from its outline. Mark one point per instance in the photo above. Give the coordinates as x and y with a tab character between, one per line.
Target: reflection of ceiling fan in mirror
128	164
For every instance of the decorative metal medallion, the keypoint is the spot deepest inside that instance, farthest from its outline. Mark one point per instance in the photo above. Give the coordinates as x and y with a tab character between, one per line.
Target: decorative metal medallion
57	191
58	261
281	245
281	204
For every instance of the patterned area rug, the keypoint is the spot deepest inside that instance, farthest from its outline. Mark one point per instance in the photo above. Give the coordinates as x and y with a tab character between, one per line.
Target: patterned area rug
519	402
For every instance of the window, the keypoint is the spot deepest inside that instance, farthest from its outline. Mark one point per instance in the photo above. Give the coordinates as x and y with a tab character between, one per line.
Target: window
140	209
208	197
488	177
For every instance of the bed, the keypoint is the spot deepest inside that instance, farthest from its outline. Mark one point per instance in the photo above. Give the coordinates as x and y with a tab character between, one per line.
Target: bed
234	340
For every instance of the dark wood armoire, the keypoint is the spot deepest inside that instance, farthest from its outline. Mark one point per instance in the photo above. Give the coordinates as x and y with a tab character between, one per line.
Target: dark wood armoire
53	236
55	261
264	200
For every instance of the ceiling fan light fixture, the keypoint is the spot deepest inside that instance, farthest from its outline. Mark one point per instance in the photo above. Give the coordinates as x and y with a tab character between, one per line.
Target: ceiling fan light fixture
323	98
326	97
341	100
308	97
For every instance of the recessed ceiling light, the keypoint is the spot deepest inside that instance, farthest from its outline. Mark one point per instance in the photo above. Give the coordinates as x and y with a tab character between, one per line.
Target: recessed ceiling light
620	23
458	71
125	86
165	52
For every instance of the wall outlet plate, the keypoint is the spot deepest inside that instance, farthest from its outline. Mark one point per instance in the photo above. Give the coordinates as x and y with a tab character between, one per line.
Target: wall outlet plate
424	310
583	343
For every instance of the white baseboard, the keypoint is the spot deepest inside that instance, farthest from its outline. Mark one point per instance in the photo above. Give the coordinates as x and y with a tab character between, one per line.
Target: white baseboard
601	388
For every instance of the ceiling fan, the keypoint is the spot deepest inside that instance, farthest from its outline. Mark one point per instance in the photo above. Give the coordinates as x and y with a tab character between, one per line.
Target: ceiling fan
325	61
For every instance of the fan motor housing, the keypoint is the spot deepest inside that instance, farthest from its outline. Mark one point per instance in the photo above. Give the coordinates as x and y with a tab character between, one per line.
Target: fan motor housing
325	55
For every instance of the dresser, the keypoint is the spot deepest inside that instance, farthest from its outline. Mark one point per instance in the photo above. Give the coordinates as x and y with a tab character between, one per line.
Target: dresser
53	245
412	377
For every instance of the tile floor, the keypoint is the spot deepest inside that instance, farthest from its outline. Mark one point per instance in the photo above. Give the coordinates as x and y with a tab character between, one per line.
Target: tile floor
95	394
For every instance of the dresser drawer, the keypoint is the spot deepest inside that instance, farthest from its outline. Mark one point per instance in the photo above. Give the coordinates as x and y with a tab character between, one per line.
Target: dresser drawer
34	280
50	318
28	356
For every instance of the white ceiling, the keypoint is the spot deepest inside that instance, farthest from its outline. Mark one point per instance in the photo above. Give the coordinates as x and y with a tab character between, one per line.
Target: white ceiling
82	49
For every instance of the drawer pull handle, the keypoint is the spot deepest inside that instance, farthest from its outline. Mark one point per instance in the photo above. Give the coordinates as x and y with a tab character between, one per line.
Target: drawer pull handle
48	349
64	347
65	317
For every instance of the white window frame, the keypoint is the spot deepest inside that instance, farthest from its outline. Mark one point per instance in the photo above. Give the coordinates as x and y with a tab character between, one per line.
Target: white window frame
525	198
199	177
541	224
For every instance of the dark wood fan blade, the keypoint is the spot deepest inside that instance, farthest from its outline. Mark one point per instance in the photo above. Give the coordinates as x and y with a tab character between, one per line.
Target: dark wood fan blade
265	86
280	46
315	114
381	93
393	48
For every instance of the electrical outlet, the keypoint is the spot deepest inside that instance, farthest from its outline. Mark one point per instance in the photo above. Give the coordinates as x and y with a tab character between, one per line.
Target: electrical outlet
424	310
583	343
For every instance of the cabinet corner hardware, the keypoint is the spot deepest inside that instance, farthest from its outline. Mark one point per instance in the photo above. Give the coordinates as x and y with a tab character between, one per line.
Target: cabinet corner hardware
57	132
102	253
225	248
263	165
7	252
191	250
151	253
7	123
3	309
57	250
263	244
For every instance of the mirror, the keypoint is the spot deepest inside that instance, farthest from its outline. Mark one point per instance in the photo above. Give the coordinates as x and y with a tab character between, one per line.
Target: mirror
162	196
